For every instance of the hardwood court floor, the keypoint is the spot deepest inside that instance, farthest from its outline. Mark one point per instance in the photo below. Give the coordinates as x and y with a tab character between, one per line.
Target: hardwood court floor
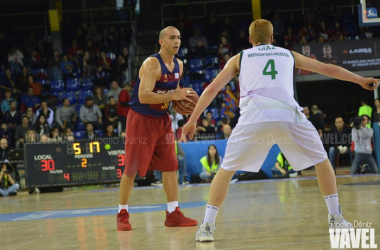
281	214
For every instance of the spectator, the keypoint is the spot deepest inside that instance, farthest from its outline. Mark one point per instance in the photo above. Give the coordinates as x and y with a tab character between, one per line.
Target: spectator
66	116
8	82
224	48
282	168
111	38
362	137
6	133
100	98
365	109
47	112
306	111
44	139
227	130
100	77
94	36
54	135
54	65
376	111
205	131
3	149
41	126
123	106
122	134
339	141
12	117
31	101
21	132
90	113
15	59
67	132
74	49
278	27
114	91
22	80
225	121
242	42
352	108
5	103
210	163
105	61
337	31
37	87
90	133
119	68
31	116
110	132
67	67
125	54
87	70
31	136
323	32
197	44
7	184
318	120
111	113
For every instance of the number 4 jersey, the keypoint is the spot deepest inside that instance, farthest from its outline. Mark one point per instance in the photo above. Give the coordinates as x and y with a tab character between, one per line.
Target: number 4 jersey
266	86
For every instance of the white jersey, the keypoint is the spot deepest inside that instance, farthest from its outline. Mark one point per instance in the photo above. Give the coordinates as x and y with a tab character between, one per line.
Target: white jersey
266	86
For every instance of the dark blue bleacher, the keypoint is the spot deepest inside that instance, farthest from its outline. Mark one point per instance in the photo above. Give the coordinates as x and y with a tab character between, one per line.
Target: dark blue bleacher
87	84
72	84
57	85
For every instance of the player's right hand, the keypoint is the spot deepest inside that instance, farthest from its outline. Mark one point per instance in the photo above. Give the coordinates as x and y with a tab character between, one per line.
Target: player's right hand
370	83
189	128
183	93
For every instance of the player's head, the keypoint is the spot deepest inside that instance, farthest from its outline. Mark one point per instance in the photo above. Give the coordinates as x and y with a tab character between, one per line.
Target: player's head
170	39
306	50
4	143
327	50
260	31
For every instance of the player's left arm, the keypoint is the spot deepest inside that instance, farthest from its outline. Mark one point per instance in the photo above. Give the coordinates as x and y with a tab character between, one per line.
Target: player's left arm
221	80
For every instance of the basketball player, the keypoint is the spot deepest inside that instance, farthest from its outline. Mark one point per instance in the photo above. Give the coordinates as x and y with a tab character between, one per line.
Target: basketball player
149	136
268	108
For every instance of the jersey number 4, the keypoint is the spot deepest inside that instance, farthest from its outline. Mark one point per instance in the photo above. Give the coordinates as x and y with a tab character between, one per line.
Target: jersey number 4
272	72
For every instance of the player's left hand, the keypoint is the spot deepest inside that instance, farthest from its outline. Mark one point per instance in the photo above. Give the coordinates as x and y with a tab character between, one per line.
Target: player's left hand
189	128
370	83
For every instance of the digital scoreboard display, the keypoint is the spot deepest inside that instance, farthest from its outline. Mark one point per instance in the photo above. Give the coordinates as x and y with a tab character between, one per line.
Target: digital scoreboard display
79	162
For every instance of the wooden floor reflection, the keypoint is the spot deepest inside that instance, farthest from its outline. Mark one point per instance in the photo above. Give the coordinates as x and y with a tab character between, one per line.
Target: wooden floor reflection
285	214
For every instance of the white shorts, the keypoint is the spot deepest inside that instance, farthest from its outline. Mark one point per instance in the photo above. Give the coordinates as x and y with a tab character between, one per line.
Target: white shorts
248	145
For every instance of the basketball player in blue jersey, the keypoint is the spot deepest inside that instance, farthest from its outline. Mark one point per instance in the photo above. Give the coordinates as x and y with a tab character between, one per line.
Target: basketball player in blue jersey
149	136
268	110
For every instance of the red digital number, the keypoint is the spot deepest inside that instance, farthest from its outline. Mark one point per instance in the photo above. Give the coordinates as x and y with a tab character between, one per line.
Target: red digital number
66	176
121	160
47	165
118	173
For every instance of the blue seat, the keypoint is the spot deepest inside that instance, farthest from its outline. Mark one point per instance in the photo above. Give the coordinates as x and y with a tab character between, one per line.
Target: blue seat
71	96
195	65
57	94
79	134
57	85
210	73
105	91
99	132
211	62
77	108
42	81
80	125
39	74
182	52
83	94
197	88
87	84
72	84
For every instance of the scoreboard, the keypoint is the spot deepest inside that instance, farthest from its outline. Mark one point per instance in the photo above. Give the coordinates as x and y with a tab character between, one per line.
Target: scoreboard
74	163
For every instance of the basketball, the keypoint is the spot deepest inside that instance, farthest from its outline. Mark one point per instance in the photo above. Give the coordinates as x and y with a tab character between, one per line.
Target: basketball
185	107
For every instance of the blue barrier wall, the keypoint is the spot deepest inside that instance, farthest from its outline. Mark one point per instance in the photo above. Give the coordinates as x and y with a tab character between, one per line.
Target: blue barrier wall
196	150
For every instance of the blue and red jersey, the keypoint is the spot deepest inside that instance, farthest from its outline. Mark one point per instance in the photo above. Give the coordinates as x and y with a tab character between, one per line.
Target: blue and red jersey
167	84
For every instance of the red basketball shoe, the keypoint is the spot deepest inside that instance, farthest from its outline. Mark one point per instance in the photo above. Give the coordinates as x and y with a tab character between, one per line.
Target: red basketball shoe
122	222
178	219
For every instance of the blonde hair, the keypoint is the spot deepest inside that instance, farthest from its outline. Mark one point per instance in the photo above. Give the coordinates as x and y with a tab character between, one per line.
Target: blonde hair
260	31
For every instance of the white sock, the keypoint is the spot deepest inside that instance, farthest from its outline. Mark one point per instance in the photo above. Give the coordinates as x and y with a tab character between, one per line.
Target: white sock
211	213
123	207
332	203
172	205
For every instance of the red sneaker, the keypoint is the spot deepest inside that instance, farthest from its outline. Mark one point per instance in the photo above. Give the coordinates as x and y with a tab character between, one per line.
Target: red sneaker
178	219
122	222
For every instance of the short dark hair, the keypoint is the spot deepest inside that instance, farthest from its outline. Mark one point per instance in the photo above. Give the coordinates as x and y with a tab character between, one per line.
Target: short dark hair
109	98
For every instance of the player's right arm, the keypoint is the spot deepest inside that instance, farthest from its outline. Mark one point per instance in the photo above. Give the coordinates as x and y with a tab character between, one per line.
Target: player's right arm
150	73
334	71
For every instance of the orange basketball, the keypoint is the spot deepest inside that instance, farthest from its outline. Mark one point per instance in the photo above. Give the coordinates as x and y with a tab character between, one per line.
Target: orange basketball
185	107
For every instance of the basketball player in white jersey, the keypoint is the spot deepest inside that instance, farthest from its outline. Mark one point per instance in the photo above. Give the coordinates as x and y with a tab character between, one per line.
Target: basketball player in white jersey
270	115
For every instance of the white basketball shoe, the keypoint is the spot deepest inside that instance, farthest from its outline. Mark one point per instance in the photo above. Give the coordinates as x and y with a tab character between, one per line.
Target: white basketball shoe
337	221
205	232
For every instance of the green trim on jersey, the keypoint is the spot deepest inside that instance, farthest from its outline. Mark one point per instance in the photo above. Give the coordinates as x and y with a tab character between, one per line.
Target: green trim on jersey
241	57
294	67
